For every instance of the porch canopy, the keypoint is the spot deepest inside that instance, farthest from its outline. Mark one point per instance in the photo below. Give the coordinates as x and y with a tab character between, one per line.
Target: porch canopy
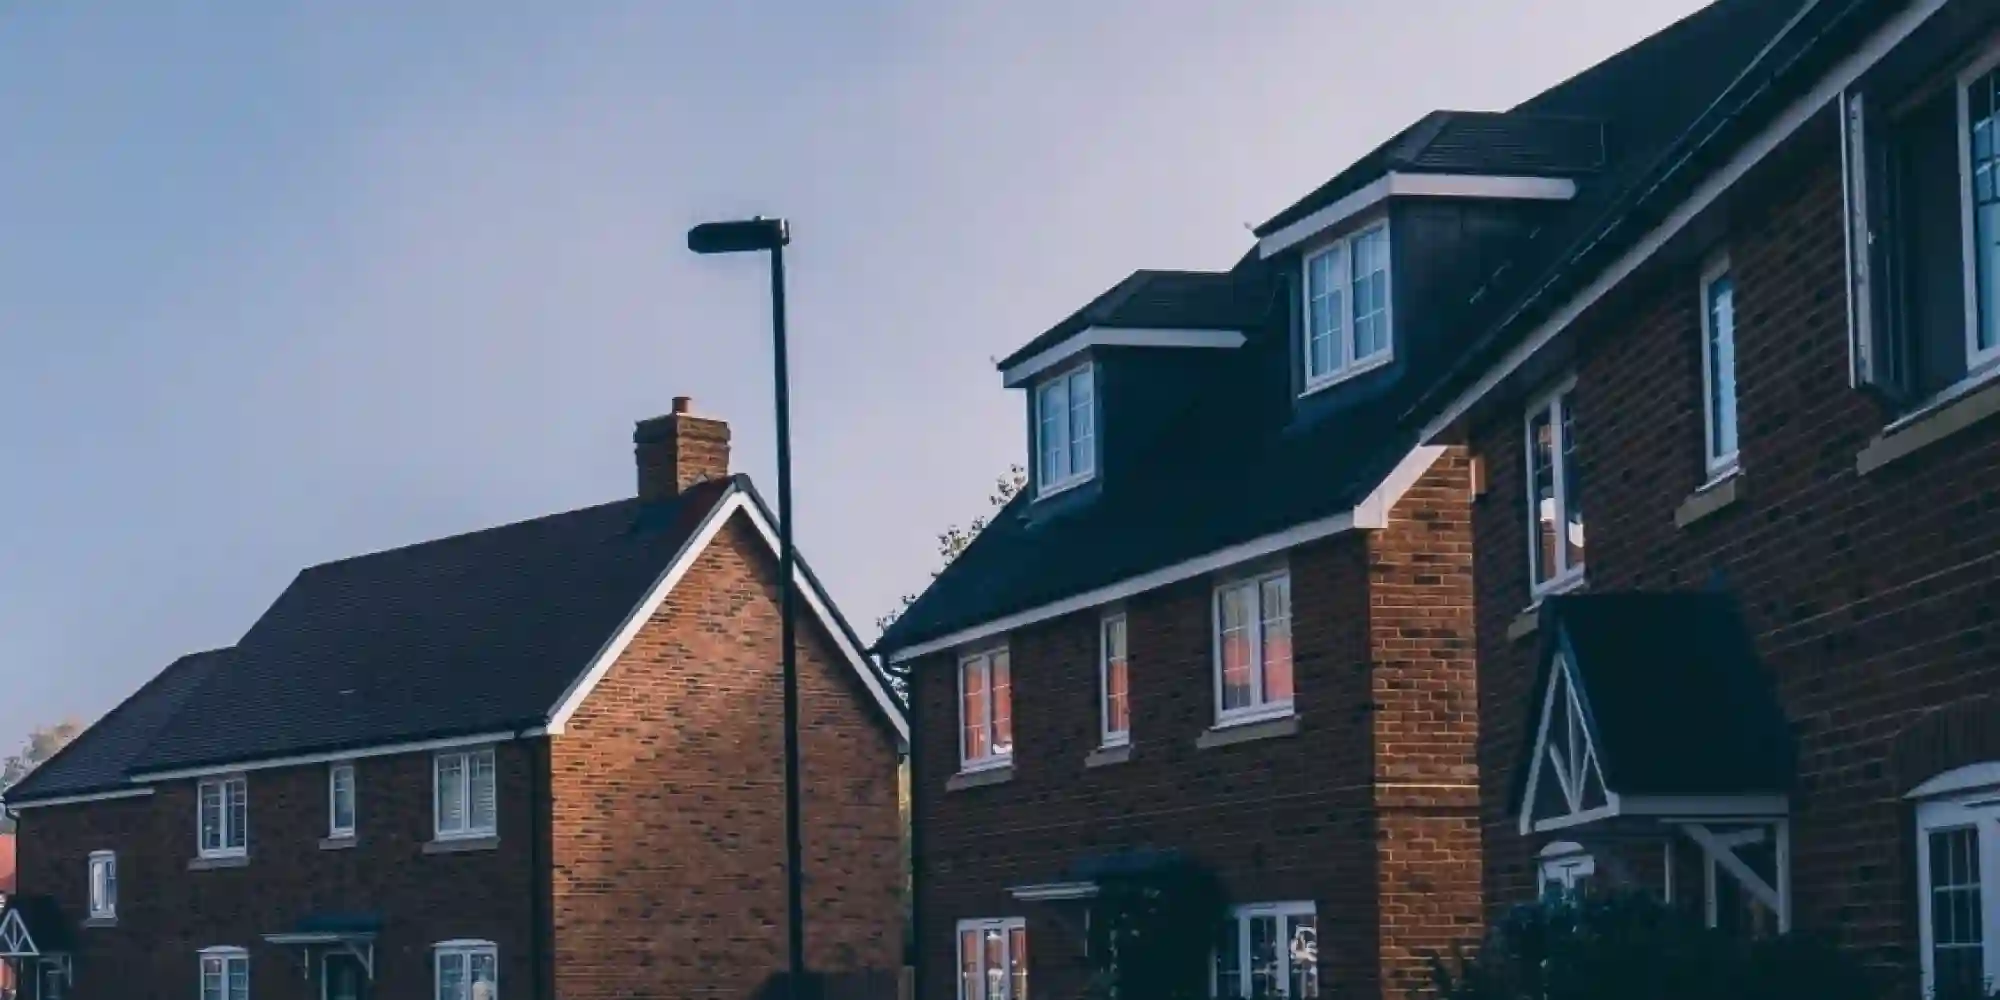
349	933
34	932
1651	717
1080	879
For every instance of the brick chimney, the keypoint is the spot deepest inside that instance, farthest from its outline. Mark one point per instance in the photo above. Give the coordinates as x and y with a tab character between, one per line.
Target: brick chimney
679	450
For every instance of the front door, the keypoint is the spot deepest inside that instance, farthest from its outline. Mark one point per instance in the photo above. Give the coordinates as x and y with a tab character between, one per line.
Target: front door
345	978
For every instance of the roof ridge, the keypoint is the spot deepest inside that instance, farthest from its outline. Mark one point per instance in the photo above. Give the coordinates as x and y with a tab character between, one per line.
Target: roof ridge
488	530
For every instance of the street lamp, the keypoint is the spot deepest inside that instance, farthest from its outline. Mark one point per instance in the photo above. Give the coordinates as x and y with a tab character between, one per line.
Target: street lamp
749	236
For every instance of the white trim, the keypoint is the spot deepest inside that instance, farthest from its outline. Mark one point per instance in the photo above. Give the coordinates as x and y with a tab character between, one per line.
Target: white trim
383	750
1066	380
1980	777
1403	185
467	949
65	800
15	941
333	828
1370	513
1047	892
1019	374
228	955
1238	925
1106	736
1718	464
108	911
1006	926
1791	120
466	759
1987	62
1262	706
1573	771
1566	576
738	500
984	658
1345	364
223	783
1960	810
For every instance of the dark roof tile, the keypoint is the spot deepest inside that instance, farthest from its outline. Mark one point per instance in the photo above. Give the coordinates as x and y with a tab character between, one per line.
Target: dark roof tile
98	759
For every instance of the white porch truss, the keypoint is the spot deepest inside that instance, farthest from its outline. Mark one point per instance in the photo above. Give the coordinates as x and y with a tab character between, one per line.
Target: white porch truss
1565	756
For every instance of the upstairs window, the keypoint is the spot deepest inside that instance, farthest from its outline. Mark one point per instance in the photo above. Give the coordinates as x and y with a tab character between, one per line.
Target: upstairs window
1923	181
1115	683
1555	506
223	817
985	710
1065	430
1718	366
103	885
465	794
1347	319
225	974
1253	648
340	800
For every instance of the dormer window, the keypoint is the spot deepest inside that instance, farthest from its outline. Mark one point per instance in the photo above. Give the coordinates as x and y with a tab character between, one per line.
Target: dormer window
1347	318
1065	431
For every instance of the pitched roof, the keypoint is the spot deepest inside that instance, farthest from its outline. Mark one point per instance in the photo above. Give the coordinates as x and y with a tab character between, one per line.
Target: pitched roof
1677	700
98	758
485	632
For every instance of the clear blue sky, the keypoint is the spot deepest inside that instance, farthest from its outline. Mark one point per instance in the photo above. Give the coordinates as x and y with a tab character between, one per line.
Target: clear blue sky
282	282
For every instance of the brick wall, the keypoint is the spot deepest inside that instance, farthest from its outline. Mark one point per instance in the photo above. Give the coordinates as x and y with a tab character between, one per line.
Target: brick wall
167	913
1298	817
668	802
1871	598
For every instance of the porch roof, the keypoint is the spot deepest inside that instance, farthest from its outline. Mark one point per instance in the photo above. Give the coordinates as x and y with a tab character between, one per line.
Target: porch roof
34	926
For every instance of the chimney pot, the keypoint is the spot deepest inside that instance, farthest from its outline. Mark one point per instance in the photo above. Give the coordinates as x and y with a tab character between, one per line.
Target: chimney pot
676	451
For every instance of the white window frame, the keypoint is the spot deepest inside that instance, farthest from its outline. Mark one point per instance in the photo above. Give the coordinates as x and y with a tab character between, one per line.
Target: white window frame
1113	737
1261	708
1005	925
465	949
1719	464
1045	486
334	830
1345	364
1978	810
103	893
1567	577
983	658
467	758
230	961
1239	924
234	786
1979	364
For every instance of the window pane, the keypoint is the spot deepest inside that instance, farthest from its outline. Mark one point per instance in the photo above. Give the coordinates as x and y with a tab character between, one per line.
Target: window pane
1722	367
1003	703
1054	429
1542	494
211	816
1117	717
1304	956
483	791
1267	969
451	976
235	831
211	979
239	979
1326	280
1572	490
995	964
1236	611
485	976
1957	923
1985	175
343	798
1082	424
451	793
1277	639
1371	293
968	965
972	706
1017	957
1228	961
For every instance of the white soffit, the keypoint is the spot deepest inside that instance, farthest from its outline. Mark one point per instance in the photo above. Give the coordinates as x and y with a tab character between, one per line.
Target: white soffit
1395	185
1106	336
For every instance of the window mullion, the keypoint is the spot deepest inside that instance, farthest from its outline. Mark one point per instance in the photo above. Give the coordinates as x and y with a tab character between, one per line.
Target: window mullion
1558	443
1255	625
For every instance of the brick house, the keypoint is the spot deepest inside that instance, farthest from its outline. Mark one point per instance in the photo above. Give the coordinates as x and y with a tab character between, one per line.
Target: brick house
1230	618
543	758
1766	371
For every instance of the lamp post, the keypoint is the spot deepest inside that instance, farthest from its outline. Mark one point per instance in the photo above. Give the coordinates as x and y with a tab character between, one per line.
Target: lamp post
750	236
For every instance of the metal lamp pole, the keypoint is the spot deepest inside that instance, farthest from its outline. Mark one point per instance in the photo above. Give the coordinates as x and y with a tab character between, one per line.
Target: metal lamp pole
745	236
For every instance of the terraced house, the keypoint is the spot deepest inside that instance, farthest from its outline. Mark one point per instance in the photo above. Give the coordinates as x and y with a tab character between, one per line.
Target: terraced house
1766	378
533	761
1231	618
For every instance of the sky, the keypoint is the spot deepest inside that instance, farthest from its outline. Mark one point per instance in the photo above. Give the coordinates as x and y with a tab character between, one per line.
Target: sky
287	281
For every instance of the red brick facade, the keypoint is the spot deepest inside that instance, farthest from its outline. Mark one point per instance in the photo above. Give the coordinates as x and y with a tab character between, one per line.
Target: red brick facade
1367	810
1871	597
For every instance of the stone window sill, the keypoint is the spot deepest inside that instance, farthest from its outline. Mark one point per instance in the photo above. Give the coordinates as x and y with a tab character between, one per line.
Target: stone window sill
337	843
462	845
96	922
1955	411
226	861
1712	499
1108	755
980	778
1248	732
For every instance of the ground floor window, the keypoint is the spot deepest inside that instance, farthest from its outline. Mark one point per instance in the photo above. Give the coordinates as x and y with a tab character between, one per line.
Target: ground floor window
1566	871
1958	871
225	974
993	959
468	970
1268	950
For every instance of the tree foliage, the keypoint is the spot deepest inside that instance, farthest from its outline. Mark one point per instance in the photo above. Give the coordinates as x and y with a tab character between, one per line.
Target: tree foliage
42	744
954	540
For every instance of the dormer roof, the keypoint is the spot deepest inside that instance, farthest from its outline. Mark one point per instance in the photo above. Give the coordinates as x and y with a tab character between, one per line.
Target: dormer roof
1151	309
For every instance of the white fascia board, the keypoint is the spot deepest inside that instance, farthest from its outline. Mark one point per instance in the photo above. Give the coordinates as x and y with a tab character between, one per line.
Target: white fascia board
299	760
1404	185
1982	776
1018	375
737	502
1370	513
65	800
1794	118
1050	892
